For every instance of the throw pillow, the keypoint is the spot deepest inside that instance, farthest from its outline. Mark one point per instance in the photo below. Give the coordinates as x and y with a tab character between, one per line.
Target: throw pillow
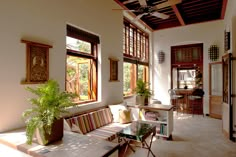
76	128
124	116
115	111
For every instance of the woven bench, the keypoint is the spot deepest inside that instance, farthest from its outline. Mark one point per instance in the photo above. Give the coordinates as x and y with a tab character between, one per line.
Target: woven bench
97	124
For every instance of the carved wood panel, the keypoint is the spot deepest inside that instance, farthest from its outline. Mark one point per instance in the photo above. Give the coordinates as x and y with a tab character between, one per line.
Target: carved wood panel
37	61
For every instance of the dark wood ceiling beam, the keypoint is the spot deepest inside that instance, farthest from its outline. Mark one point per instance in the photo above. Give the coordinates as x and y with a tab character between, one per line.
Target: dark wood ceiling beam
213	15
205	3
167	25
161	20
190	12
204	11
191	2
194	2
212	7
224	4
178	15
202	20
164	22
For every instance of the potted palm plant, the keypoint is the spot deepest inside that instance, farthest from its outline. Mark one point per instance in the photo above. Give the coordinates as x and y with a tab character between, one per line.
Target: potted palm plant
44	118
142	92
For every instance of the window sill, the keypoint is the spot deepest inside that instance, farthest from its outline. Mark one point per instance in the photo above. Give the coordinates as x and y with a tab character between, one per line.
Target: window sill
129	96
76	109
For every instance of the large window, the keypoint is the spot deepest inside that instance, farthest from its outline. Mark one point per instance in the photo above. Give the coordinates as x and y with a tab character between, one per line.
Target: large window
81	64
136	57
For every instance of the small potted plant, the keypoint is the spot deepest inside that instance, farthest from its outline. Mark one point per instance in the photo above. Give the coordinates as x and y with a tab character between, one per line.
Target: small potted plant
44	118
198	79
143	92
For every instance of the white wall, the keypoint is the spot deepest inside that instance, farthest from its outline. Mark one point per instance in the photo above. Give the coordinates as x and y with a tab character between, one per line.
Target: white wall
207	33
45	22
230	25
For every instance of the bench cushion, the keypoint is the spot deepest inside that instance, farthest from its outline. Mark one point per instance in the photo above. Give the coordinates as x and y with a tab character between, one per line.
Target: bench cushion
81	121
107	132
90	121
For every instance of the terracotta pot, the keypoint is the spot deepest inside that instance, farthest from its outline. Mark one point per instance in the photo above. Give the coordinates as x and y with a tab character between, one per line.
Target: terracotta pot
44	138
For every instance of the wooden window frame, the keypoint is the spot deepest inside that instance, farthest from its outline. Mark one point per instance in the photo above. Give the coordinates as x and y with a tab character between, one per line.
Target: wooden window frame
193	64
140	50
93	75
140	43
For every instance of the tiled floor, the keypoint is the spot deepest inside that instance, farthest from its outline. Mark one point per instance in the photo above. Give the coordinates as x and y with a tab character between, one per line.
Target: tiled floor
196	136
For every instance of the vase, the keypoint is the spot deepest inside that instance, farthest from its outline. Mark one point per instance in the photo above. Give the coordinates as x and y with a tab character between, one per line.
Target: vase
140	100
43	138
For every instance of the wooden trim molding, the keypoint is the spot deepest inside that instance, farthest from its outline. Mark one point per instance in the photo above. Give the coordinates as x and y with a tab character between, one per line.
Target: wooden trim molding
178	15
226	134
224	4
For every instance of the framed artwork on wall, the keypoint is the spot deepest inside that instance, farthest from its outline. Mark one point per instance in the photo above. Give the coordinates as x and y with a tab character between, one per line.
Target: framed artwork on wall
226	40
113	69
37	62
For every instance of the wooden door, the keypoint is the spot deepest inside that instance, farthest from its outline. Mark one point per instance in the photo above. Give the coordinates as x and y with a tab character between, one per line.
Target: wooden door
215	89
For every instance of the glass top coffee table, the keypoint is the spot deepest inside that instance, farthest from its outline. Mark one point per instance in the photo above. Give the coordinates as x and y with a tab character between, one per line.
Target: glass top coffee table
137	131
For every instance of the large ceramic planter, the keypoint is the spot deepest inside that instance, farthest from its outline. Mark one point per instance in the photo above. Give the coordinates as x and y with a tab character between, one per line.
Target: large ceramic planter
44	138
140	100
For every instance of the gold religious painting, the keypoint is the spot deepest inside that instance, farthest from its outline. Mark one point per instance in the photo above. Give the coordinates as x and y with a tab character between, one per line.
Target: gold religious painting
37	69
113	69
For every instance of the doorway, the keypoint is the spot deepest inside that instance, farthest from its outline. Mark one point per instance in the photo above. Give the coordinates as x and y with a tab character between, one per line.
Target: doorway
215	89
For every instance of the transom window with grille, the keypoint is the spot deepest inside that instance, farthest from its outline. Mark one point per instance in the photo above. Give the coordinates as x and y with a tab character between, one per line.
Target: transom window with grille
81	64
136	57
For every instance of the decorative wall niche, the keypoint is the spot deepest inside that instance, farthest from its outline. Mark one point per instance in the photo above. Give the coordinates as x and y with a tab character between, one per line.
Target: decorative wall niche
37	62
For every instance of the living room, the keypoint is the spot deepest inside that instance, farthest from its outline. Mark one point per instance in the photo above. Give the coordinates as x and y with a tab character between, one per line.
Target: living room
46	22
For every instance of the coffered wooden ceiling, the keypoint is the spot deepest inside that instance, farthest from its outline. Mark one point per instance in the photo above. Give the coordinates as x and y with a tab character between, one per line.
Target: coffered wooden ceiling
184	13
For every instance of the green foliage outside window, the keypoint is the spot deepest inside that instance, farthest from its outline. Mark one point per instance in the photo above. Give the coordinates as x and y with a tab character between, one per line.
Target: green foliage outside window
127	78
78	76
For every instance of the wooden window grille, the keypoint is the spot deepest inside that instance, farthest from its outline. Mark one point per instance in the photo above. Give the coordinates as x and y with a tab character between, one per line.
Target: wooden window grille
136	53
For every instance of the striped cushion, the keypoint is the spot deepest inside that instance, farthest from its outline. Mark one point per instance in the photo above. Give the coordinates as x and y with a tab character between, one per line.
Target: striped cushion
107	132
101	117
81	121
94	120
102	134
91	121
108	116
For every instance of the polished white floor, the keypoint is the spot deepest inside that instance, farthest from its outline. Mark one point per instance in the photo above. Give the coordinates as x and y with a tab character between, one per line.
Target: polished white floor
196	136
6	151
